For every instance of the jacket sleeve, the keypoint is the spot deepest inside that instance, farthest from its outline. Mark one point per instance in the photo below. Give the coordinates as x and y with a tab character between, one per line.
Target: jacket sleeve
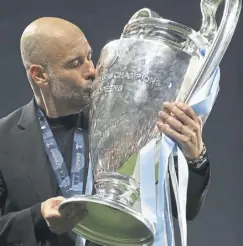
18	228
197	190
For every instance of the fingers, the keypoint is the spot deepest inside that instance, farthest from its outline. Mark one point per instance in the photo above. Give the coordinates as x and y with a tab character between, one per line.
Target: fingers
66	219
167	118
174	123
195	125
179	122
167	130
63	221
187	110
184	114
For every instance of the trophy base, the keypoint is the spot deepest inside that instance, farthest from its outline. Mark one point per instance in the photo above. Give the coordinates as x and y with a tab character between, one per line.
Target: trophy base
109	222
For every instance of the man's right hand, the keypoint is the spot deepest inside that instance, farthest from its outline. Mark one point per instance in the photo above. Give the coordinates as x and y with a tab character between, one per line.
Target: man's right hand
60	222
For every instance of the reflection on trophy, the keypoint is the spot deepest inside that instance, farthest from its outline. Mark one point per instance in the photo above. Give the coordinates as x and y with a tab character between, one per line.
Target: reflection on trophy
155	60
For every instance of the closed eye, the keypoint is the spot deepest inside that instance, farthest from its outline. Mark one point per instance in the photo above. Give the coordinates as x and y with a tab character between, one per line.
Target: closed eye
76	62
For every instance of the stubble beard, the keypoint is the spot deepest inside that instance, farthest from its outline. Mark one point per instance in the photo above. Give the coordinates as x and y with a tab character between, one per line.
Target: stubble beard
70	96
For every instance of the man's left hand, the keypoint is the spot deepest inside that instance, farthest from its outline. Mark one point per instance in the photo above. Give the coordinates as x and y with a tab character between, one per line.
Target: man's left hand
179	122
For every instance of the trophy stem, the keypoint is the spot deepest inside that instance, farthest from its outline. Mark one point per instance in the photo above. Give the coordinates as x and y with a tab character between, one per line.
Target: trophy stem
117	187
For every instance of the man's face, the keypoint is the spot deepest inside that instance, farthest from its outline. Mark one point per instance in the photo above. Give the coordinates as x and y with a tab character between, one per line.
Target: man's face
71	72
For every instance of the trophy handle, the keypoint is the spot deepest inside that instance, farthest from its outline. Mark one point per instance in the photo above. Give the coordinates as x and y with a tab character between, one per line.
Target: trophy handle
142	13
145	12
218	41
209	24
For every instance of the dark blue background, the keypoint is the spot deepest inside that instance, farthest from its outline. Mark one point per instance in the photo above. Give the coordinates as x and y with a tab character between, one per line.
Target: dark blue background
220	220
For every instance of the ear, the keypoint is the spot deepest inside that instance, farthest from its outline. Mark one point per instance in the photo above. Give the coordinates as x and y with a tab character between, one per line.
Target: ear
39	75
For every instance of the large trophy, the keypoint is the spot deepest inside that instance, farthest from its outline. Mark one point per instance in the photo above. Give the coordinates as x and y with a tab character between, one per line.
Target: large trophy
154	61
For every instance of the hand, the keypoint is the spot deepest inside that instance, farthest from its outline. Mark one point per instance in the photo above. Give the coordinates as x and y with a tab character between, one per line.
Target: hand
60	222
179	122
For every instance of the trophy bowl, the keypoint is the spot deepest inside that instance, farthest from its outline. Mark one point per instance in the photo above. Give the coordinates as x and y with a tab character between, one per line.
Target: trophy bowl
155	61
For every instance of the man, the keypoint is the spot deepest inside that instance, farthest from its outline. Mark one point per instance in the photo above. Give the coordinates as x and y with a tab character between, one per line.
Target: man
57	59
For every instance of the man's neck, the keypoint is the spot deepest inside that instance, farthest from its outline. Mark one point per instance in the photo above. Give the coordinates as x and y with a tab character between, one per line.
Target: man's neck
56	110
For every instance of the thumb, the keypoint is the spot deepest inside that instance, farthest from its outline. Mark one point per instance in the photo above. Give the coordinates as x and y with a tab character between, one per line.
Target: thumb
59	198
56	201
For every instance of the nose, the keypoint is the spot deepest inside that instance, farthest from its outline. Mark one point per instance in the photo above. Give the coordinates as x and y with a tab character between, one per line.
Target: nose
90	74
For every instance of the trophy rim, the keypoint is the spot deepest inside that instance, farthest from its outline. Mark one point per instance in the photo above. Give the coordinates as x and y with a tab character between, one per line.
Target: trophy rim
159	19
174	29
175	26
103	239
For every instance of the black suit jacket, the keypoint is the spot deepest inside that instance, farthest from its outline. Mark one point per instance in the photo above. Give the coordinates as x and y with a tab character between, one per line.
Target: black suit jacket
25	180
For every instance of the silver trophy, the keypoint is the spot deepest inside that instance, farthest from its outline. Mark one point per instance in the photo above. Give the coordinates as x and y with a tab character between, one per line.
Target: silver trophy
155	60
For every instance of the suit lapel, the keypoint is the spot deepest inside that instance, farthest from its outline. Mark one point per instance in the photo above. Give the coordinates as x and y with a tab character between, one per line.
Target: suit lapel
34	153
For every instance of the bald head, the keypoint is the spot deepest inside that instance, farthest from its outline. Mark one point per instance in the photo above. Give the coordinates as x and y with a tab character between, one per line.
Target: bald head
45	39
58	63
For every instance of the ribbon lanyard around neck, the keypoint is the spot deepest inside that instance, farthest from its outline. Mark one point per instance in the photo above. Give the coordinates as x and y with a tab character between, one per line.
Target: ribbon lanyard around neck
73	186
